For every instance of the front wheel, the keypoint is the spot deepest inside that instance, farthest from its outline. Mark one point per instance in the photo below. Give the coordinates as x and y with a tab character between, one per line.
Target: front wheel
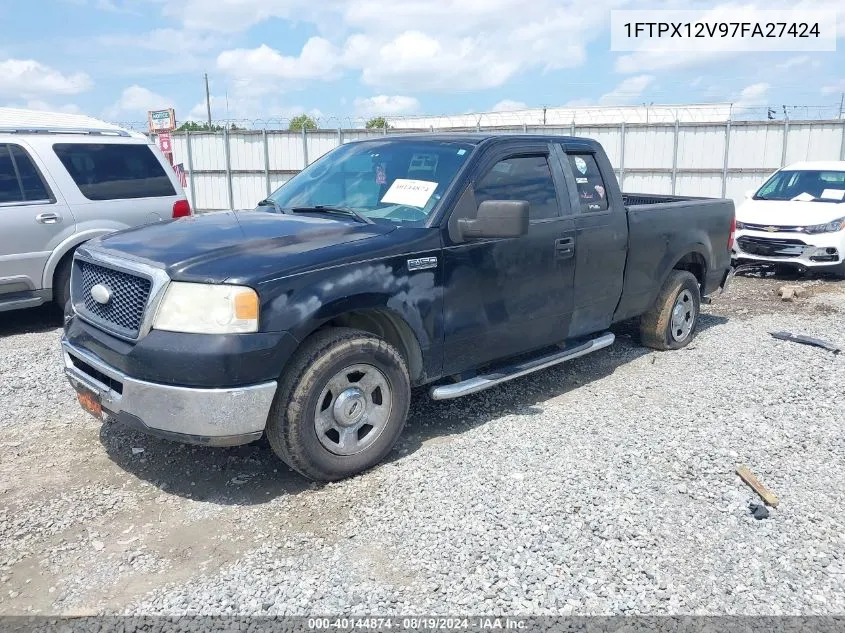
672	319
341	404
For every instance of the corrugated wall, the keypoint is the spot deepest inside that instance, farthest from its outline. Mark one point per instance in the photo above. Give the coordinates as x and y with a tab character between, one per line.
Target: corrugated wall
236	169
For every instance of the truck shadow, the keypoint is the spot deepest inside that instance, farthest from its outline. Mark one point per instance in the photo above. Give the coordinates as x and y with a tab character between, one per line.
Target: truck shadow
30	320
252	474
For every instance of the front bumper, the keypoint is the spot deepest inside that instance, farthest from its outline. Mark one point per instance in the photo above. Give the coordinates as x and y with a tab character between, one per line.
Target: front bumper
818	251
217	417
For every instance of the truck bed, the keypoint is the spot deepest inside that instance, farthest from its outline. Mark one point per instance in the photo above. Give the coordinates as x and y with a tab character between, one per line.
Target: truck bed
642	199
660	227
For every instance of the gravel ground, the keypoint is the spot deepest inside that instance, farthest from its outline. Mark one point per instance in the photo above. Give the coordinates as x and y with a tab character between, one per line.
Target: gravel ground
605	486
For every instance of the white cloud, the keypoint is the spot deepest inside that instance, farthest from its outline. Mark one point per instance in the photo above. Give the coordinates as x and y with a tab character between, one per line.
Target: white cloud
167	40
627	91
29	79
405	45
834	88
507	105
386	105
753	96
38	104
134	102
254	70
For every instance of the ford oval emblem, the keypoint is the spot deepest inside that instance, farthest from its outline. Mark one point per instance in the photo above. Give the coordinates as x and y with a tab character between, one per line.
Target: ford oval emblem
101	294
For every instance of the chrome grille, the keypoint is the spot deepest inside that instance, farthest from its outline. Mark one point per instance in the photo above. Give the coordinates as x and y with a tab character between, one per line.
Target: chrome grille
124	312
778	229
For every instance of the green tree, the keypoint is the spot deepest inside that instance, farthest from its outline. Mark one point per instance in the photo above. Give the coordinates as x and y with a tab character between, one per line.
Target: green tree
297	123
196	126
377	123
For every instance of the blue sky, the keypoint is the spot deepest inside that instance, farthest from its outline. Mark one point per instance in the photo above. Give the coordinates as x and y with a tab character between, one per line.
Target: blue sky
343	60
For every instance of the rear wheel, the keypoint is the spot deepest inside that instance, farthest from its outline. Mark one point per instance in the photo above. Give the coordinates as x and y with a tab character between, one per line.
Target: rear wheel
341	404
672	319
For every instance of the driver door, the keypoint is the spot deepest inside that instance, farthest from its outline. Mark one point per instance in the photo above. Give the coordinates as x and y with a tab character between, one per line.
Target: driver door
509	296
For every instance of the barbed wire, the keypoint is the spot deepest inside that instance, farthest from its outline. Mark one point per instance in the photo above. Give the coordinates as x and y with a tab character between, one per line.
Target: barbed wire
551	117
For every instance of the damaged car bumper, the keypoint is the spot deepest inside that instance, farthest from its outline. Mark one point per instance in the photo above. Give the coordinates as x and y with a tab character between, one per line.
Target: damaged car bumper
822	251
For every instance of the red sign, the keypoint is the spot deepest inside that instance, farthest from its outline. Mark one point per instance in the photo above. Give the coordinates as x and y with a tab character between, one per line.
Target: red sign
164	142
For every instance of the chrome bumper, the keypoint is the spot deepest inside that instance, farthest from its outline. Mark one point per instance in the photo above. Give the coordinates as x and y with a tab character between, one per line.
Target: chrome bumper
220	417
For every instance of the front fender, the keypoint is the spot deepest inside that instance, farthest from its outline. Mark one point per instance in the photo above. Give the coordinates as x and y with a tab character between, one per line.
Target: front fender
303	303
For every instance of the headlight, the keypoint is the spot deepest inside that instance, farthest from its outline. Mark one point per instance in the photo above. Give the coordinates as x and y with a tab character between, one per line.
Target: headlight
830	227
740	225
207	309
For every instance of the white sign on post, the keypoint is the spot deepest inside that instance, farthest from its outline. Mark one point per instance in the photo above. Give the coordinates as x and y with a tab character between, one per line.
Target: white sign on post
162	120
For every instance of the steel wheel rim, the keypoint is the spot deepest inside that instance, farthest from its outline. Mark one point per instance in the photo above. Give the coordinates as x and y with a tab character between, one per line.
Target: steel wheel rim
683	316
353	409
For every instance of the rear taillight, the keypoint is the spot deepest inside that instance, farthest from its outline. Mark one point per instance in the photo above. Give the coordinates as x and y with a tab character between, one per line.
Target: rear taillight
181	209
733	233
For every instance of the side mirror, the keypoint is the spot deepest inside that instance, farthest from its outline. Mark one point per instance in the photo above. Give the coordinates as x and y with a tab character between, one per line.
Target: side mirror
750	193
497	218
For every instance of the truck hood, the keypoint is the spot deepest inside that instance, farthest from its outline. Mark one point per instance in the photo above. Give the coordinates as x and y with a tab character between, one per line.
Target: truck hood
789	212
212	247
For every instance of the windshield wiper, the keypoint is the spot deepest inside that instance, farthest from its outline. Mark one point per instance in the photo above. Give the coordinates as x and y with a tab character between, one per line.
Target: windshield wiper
322	208
269	202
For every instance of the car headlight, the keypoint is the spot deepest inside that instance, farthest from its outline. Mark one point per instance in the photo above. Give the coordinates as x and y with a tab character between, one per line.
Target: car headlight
207	309
740	225
830	227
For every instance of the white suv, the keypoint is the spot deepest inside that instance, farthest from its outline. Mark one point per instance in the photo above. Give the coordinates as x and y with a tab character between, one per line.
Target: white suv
65	179
796	219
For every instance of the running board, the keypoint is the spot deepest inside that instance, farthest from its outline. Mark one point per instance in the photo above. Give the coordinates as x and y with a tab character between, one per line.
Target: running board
480	383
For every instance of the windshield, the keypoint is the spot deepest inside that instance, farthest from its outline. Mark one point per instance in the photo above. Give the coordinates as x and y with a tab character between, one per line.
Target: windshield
391	180
827	186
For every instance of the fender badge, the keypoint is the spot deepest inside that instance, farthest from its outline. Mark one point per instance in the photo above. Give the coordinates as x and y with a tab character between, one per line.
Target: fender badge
422	263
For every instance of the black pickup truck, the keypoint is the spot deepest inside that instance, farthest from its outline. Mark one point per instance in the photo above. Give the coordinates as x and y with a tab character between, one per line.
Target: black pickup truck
457	261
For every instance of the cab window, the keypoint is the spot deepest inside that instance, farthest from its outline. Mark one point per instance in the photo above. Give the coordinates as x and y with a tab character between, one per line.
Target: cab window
521	178
591	190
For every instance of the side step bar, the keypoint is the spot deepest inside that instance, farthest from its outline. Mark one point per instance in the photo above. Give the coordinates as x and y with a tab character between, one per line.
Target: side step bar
480	383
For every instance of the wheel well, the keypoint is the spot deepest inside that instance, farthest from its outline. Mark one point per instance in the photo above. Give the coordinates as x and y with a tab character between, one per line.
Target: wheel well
62	262
391	328
695	264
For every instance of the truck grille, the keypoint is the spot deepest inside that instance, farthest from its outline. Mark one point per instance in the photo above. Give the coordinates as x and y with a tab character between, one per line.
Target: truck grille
771	247
124	312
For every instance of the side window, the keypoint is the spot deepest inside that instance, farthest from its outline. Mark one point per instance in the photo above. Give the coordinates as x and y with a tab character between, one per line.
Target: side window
591	190
31	182
19	179
113	171
524	178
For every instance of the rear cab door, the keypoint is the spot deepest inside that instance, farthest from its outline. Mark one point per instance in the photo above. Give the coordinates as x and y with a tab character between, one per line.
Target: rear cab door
601	234
509	296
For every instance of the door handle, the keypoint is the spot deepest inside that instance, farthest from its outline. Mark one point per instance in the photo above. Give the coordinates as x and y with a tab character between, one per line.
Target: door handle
564	247
48	218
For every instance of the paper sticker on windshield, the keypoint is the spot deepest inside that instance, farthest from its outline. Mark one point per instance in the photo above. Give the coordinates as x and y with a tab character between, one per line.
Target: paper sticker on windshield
381	177
414	193
581	181
581	164
833	194
600	190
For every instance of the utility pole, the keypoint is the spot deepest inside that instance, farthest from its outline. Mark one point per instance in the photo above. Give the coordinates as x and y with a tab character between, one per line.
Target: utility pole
208	101
841	103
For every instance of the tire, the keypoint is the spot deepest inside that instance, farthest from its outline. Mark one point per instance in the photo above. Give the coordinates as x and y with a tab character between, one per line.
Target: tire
338	383
61	282
661	327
